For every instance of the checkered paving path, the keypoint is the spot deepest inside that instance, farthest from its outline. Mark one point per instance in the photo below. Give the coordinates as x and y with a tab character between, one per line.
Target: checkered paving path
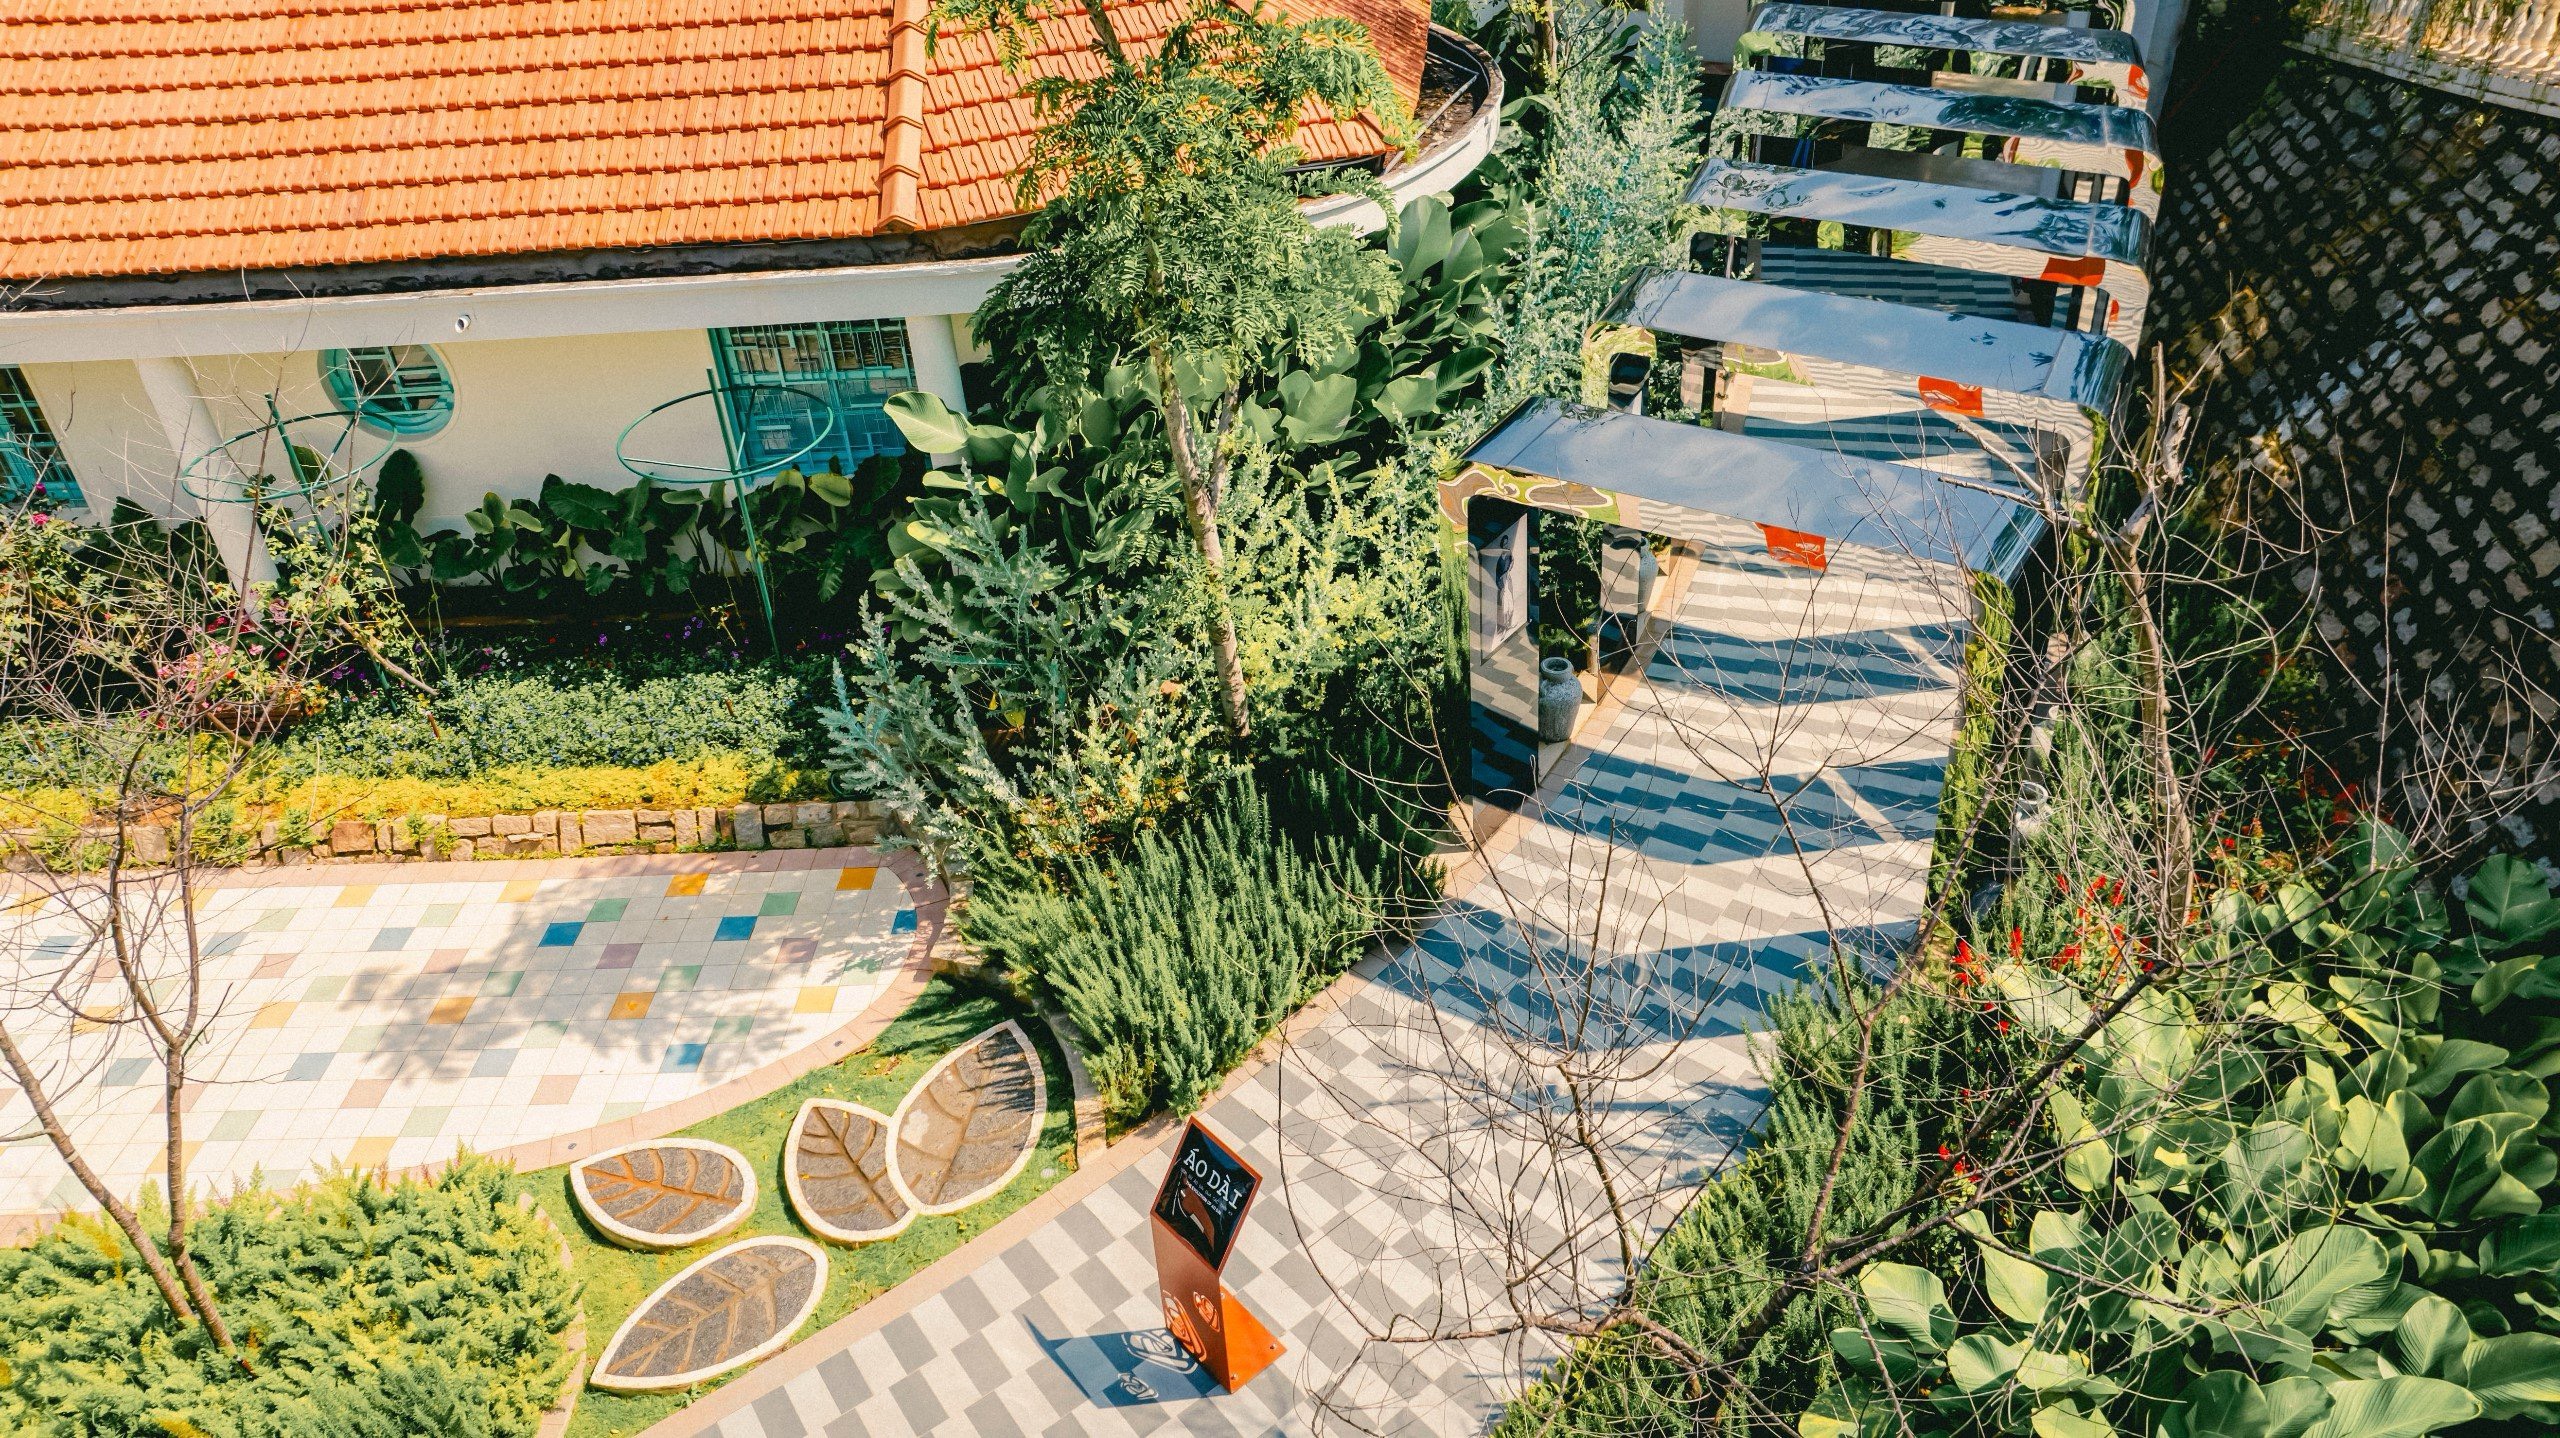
1762	804
395	1019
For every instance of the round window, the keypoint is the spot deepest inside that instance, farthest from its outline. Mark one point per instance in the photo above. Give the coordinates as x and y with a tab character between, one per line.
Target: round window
397	389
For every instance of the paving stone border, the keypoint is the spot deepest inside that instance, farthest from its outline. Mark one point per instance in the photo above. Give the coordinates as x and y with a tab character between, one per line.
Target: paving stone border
542	834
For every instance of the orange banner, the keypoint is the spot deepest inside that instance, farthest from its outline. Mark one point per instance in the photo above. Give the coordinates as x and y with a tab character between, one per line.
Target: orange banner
1794	546
1948	395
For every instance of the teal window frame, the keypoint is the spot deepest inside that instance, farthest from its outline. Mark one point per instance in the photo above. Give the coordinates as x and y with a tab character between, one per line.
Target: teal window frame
855	365
29	454
399	390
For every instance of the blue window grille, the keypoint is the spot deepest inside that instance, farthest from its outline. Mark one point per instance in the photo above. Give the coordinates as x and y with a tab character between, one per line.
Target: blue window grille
394	389
28	454
852	365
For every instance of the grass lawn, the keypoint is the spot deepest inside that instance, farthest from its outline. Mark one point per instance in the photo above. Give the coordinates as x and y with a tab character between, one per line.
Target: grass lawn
616	1279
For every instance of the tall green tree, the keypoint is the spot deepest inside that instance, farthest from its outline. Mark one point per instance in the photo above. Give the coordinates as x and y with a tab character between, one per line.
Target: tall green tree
1170	237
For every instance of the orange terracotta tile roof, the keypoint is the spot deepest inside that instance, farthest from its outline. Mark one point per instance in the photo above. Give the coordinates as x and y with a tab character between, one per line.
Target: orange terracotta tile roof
182	136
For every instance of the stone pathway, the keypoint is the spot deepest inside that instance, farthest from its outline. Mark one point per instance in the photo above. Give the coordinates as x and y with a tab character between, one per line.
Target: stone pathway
392	1014
1768	792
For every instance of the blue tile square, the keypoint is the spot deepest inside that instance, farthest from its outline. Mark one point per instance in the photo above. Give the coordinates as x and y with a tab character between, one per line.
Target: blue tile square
560	936
309	1068
390	940
905	923
493	1063
125	1073
682	1058
734	927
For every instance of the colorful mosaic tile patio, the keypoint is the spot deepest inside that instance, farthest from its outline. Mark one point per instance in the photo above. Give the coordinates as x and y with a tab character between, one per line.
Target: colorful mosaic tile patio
396	1020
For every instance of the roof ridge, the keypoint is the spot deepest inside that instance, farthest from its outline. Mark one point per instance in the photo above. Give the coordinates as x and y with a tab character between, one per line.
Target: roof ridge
902	133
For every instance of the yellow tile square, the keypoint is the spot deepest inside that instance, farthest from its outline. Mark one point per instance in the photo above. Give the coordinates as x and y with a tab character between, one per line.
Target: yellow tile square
450	1011
369	1153
26	903
355	896
816	999
518	890
631	1004
857	878
683	884
90	1020
273	1016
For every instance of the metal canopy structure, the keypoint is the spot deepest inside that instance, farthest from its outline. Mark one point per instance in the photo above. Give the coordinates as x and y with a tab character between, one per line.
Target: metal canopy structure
1664	477
2069	243
1724	493
2108	59
2108	142
1979	399
2056	368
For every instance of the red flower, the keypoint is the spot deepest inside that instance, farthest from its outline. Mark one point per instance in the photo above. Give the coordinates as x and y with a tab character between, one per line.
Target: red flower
2002	1026
2017	941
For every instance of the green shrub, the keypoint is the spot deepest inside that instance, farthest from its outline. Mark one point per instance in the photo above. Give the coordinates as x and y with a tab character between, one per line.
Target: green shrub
1180	957
365	1311
544	719
2310	1189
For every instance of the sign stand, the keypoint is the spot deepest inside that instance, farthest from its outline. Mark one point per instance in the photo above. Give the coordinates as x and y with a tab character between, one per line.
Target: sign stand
1198	1212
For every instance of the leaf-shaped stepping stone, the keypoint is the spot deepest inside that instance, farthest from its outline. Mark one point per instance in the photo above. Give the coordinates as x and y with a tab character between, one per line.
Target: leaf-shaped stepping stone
666	1192
972	1123
836	1168
725	1310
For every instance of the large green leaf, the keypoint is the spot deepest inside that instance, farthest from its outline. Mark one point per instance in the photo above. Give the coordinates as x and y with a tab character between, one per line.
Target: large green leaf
2530	1244
2393	1408
2296	1283
2510	897
1317	411
1409	397
1978	1361
928	423
2510	1374
2016	1287
2060	1422
2430	1334
1909	1302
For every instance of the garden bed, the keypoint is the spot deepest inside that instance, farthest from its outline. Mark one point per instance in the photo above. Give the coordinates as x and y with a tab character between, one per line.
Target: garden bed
614	1279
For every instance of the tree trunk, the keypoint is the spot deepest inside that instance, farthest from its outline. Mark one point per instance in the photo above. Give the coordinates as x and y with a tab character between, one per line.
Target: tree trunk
123	1217
1200	506
173	1069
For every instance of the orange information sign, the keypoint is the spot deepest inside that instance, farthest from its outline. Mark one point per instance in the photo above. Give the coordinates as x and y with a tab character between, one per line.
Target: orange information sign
1197	1214
1794	546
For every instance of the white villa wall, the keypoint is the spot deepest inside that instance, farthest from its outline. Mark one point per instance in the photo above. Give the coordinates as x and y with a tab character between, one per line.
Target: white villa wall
110	435
521	409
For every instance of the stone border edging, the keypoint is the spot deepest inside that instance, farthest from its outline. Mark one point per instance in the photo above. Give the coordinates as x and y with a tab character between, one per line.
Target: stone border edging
932	906
1088	1099
564	1404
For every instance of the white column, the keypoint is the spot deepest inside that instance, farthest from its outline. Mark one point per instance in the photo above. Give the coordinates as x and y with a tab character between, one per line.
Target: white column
937	363
191	433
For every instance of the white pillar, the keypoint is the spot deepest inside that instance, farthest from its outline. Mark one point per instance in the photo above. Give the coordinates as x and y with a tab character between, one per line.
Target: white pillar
191	433
936	361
